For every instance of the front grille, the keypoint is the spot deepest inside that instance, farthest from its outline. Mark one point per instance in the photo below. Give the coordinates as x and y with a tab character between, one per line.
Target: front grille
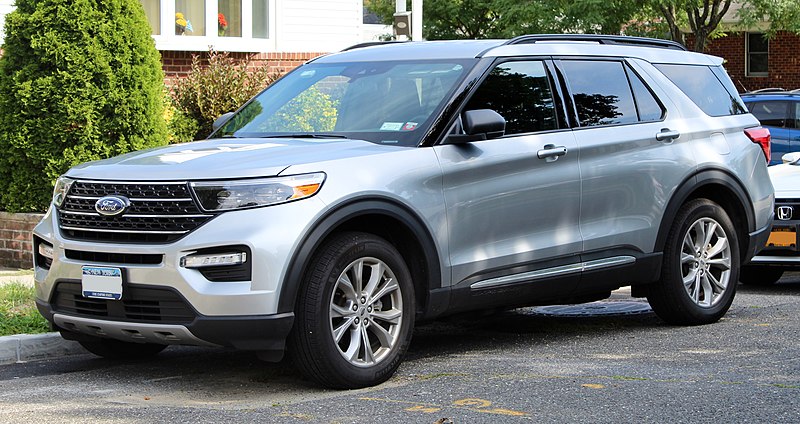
158	212
115	258
139	304
794	214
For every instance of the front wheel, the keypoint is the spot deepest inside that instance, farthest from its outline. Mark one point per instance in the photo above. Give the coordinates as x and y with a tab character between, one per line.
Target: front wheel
355	313
701	266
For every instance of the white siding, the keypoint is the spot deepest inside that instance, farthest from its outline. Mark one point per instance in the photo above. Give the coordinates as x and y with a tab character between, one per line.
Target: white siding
318	25
6	6
295	26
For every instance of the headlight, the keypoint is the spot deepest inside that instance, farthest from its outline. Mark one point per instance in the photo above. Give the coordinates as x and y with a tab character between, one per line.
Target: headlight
215	196
60	191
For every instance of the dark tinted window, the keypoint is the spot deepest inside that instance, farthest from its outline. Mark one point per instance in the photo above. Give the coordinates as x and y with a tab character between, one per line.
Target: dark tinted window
520	92
796	121
601	92
703	85
772	114
649	108
757	54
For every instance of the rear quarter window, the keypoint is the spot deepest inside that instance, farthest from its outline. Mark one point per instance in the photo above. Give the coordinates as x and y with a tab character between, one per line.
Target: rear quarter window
702	84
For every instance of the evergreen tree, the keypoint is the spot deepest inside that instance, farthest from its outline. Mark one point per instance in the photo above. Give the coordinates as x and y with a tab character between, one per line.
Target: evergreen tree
80	80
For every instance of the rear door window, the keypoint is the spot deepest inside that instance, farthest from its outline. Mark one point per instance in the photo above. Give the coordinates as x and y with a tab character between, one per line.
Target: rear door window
602	94
773	114
710	89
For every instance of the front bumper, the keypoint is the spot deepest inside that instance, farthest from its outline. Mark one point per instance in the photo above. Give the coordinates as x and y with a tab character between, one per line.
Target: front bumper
240	314
266	334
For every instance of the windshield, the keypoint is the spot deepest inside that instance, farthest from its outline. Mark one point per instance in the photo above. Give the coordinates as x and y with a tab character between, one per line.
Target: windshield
382	102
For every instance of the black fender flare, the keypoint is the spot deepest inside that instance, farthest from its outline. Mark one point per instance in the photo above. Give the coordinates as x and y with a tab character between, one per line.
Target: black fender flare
344	213
696	182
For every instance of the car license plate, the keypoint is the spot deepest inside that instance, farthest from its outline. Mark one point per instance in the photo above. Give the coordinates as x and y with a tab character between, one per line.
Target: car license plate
782	237
101	282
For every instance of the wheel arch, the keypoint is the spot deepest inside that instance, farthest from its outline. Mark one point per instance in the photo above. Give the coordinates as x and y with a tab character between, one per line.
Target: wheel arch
720	187
385	218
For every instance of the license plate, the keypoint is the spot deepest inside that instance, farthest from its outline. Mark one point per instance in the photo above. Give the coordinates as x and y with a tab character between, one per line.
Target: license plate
101	282
782	237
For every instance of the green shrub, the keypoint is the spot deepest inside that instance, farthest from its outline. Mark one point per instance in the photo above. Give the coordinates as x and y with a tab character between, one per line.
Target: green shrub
221	85
180	126
79	80
18	313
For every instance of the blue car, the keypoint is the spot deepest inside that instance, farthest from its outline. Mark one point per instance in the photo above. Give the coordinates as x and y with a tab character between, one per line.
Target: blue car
778	110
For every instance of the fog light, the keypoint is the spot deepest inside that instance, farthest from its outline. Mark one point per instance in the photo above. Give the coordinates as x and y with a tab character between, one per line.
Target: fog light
213	259
46	250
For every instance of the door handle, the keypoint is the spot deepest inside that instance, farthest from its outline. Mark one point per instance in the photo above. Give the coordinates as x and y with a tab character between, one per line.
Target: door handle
667	134
551	152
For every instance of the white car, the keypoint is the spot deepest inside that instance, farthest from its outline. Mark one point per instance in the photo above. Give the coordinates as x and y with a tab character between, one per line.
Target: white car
781	253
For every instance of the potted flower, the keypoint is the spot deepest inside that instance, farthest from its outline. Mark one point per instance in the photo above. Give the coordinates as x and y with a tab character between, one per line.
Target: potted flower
222	24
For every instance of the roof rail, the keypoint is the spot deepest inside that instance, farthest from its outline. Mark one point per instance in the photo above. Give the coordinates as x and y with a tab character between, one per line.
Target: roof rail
768	90
600	39
370	44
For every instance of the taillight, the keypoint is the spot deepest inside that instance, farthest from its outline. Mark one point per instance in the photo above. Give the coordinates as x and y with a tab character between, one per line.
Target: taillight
761	136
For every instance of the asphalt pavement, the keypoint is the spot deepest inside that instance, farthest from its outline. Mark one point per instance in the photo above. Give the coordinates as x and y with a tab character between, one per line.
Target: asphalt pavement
620	364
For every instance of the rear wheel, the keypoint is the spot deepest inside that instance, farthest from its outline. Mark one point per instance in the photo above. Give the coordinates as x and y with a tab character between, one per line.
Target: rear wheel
117	349
701	266
355	313
754	275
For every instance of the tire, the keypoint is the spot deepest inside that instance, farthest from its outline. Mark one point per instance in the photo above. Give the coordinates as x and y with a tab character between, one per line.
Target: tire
709	266
352	332
117	349
754	275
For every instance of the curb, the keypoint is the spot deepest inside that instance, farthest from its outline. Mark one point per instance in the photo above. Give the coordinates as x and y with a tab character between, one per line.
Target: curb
22	348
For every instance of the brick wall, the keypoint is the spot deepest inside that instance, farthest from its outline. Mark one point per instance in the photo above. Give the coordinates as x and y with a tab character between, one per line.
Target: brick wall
177	64
784	61
15	239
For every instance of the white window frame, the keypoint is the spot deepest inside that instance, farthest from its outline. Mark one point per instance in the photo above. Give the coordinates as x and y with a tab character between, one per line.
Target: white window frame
747	56
167	40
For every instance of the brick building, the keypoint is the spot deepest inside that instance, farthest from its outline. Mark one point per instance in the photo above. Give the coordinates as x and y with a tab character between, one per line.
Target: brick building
754	62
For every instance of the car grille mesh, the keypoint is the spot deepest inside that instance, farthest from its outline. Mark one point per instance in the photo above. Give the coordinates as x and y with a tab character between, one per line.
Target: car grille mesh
794	213
141	304
158	213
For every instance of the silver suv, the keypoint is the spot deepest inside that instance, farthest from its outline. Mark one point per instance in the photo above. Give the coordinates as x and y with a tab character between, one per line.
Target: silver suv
393	183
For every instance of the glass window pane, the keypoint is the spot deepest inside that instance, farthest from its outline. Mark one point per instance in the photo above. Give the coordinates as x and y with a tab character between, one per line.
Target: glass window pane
190	17
758	63
152	10
647	105
771	114
601	92
757	43
796	115
229	18
520	92
704	87
260	19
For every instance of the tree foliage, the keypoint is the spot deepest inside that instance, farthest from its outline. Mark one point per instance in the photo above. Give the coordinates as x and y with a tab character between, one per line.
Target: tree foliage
79	80
221	85
671	19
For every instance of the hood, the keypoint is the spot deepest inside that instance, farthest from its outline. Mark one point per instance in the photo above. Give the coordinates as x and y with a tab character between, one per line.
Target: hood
222	159
786	180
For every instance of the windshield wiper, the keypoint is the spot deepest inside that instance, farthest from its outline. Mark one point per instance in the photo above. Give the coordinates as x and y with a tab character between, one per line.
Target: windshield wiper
305	135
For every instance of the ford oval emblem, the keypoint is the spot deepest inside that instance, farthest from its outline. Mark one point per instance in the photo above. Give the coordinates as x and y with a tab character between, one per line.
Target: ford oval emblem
112	205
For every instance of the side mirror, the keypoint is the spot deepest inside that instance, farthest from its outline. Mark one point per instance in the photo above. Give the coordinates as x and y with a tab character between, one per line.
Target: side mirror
221	121
791	157
479	124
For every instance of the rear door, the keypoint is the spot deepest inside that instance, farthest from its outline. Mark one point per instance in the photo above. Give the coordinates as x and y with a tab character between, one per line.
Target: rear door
632	157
